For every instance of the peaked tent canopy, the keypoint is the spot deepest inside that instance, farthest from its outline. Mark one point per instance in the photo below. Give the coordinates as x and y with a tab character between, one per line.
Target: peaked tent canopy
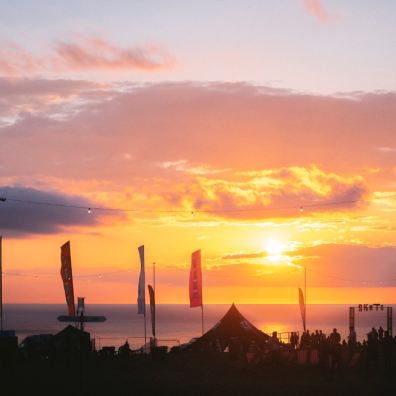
232	328
71	340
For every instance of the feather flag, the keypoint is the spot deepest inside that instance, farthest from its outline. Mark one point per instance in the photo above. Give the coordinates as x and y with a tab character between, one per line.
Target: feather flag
152	308
141	300
67	277
302	306
196	280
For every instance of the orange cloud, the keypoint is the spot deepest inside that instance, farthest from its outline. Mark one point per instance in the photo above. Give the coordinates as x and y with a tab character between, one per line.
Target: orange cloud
269	193
84	54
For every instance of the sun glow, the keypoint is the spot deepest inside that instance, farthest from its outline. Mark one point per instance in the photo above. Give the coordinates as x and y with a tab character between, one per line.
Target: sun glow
274	250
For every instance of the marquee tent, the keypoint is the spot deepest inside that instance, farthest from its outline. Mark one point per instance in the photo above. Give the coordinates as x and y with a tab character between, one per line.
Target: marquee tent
232	330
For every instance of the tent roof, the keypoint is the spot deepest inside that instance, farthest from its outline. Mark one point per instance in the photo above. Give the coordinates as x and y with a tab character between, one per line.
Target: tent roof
233	325
71	332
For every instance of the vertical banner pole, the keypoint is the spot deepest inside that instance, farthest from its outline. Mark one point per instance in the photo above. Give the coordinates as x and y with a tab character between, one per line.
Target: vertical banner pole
1	284
305	295
155	342
145	330
202	319
154	276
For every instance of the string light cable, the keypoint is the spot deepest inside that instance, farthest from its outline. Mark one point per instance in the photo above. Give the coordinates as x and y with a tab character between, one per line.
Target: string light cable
90	209
101	275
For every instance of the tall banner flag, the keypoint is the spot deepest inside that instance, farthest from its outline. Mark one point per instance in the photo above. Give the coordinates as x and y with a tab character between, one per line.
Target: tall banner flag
80	305
152	308
67	277
141	300
196	280
302	306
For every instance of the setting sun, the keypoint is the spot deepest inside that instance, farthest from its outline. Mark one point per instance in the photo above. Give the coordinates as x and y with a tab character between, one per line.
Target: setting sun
274	249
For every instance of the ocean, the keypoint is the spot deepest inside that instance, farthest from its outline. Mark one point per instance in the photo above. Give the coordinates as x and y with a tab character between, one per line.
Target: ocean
179	323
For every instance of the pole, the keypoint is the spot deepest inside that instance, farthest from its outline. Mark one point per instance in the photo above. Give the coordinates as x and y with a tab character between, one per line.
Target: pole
202	311
145	325
155	342
202	319
145	331
1	284
154	276
305	295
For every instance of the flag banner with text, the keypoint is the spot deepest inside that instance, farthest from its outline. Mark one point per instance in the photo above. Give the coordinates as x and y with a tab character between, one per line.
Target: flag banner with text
196	280
302	306
80	305
141	300
152	307
67	277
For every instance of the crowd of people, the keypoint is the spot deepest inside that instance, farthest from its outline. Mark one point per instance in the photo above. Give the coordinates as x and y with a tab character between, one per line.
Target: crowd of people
334	352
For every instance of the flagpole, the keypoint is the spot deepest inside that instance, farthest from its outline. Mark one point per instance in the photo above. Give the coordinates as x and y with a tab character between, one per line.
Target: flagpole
154	276
1	284
155	342
144	301
305	295
145	331
202	319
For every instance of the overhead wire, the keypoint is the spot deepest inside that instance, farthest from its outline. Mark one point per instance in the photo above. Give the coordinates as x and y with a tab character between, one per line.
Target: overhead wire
91	208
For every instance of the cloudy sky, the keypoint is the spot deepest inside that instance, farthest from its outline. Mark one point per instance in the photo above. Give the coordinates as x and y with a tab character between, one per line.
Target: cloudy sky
263	134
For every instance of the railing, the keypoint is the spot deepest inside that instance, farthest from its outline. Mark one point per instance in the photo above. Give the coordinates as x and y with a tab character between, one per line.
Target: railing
175	340
105	341
285	336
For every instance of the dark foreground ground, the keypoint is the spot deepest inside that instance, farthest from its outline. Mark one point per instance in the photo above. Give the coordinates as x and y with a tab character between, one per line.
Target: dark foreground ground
187	374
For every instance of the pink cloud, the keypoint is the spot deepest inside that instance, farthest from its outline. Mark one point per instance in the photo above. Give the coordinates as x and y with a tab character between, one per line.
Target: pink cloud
40	96
82	54
96	53
202	146
316	9
14	59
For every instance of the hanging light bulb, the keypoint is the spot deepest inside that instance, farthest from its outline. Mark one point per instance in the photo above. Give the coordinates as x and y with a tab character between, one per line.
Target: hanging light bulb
89	210
192	213
301	209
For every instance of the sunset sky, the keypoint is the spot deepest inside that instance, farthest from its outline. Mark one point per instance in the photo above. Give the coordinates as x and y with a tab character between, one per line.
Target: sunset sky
213	122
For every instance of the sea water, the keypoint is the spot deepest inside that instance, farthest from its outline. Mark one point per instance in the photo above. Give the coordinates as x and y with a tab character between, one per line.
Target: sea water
179	323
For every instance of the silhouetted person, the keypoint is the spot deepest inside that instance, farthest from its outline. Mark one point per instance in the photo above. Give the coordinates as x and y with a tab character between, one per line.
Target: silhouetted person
387	347
374	333
315	339
124	350
380	333
323	352
305	340
294	340
275	348
335	352
372	350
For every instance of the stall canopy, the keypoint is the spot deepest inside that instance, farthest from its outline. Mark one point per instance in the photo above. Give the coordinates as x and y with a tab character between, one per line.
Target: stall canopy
232	328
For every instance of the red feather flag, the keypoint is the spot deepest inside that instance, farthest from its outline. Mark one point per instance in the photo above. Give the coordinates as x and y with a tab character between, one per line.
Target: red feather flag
67	277
196	280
